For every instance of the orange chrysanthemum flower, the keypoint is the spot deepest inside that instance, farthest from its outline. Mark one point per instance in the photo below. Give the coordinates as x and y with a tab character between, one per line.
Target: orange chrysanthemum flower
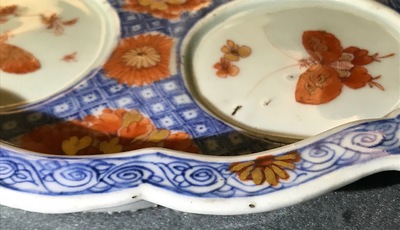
107	122
267	168
169	9
140	60
137	129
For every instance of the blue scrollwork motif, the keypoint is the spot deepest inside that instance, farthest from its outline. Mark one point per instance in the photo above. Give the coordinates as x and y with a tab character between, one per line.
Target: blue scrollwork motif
58	176
130	174
16	171
76	177
7	169
200	178
391	131
321	156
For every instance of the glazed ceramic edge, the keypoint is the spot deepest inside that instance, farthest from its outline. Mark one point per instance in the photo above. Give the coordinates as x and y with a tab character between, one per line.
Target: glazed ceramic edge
385	14
197	183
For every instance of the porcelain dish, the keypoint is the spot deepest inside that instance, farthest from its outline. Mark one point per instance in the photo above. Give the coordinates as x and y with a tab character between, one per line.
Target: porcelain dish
182	104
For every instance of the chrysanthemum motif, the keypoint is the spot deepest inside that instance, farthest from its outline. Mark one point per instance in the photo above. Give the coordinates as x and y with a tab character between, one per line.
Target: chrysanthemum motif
267	168
170	9
140	60
143	57
111	131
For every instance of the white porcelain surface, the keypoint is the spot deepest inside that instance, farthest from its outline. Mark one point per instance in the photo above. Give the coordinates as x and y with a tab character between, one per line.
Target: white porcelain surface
131	136
80	40
264	89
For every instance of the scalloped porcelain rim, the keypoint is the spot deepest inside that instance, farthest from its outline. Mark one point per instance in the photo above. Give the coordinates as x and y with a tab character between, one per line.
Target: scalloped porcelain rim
386	14
147	195
221	206
110	41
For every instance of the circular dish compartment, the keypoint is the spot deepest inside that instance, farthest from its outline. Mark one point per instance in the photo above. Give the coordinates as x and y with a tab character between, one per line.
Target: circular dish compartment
48	47
252	65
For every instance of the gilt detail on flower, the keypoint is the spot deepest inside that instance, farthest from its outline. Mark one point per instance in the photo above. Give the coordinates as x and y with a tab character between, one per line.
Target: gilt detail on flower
270	169
140	60
112	131
169	9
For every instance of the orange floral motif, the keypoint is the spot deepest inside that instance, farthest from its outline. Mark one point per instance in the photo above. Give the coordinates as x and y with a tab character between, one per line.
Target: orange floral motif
14	59
55	23
234	52
61	138
180	141
112	131
267	168
140	60
6	11
169	9
330	67
69	57
225	68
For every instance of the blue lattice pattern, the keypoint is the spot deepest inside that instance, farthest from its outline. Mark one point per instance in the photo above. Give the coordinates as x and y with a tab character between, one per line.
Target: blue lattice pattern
166	103
169	106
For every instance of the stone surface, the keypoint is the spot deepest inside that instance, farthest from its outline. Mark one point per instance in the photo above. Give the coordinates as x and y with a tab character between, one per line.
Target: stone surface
371	203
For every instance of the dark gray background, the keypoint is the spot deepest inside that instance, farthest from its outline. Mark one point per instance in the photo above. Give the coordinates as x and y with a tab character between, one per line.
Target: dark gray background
370	203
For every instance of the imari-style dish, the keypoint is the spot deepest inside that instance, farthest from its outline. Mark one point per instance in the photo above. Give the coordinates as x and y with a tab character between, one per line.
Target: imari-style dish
125	104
